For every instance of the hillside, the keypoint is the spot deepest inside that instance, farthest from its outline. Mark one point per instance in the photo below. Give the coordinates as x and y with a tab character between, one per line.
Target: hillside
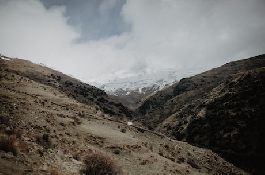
46	130
74	88
221	109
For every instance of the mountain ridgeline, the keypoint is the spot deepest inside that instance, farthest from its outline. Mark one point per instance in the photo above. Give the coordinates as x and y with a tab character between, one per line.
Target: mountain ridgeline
74	88
221	109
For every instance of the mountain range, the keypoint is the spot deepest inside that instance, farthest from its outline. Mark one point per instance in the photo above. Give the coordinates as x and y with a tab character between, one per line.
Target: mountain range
210	123
132	89
129	91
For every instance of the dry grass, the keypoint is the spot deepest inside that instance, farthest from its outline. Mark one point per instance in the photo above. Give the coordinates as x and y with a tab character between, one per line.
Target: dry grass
55	171
100	164
137	151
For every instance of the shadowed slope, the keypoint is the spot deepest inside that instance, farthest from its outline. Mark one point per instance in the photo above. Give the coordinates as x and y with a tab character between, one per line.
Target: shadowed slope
221	109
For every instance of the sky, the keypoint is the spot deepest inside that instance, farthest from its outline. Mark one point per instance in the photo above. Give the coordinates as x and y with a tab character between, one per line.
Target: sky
98	40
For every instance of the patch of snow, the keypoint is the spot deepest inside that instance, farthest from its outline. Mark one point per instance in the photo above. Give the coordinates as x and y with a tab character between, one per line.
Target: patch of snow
128	93
42	65
4	58
157	80
140	90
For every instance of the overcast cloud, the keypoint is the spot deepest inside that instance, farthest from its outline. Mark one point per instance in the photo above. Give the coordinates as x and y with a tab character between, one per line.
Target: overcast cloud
118	38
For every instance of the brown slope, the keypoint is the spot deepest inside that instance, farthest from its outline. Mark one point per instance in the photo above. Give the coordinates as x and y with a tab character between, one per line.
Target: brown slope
51	137
219	109
80	91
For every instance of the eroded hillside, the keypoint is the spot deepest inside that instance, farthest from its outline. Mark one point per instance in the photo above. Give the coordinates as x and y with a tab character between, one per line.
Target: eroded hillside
221	109
45	130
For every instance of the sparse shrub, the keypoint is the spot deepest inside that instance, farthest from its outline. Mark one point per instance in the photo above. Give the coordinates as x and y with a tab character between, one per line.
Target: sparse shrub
40	152
10	132
181	159
189	154
100	164
141	130
81	114
4	120
54	171
151	147
144	162
45	137
77	120
7	144
166	146
44	141
161	154
117	151
77	156
62	124
123	130
172	159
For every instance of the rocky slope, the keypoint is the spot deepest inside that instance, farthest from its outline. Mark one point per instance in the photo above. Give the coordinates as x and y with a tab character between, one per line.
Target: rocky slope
221	109
46	130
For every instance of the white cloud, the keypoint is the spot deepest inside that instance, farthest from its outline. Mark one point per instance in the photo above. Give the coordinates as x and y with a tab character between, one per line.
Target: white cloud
189	33
30	31
164	34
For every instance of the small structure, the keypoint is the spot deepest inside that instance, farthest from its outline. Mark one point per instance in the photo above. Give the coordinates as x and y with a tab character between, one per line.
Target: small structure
129	123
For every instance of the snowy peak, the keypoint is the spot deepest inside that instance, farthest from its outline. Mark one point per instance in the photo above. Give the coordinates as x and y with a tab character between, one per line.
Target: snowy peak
130	91
141	82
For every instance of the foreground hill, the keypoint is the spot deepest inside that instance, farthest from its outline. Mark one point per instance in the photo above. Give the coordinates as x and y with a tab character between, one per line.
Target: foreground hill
44	130
221	109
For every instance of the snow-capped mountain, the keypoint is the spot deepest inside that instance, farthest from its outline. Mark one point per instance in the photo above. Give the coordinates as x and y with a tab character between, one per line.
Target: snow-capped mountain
140	83
132	89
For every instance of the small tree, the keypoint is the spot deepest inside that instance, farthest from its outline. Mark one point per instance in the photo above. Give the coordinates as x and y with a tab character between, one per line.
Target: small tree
100	164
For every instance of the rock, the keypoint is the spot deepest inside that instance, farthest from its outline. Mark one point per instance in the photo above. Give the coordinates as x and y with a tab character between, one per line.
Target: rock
60	154
192	163
8	155
77	162
44	168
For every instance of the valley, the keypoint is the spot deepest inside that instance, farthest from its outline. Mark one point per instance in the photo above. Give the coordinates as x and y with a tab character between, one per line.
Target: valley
52	122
